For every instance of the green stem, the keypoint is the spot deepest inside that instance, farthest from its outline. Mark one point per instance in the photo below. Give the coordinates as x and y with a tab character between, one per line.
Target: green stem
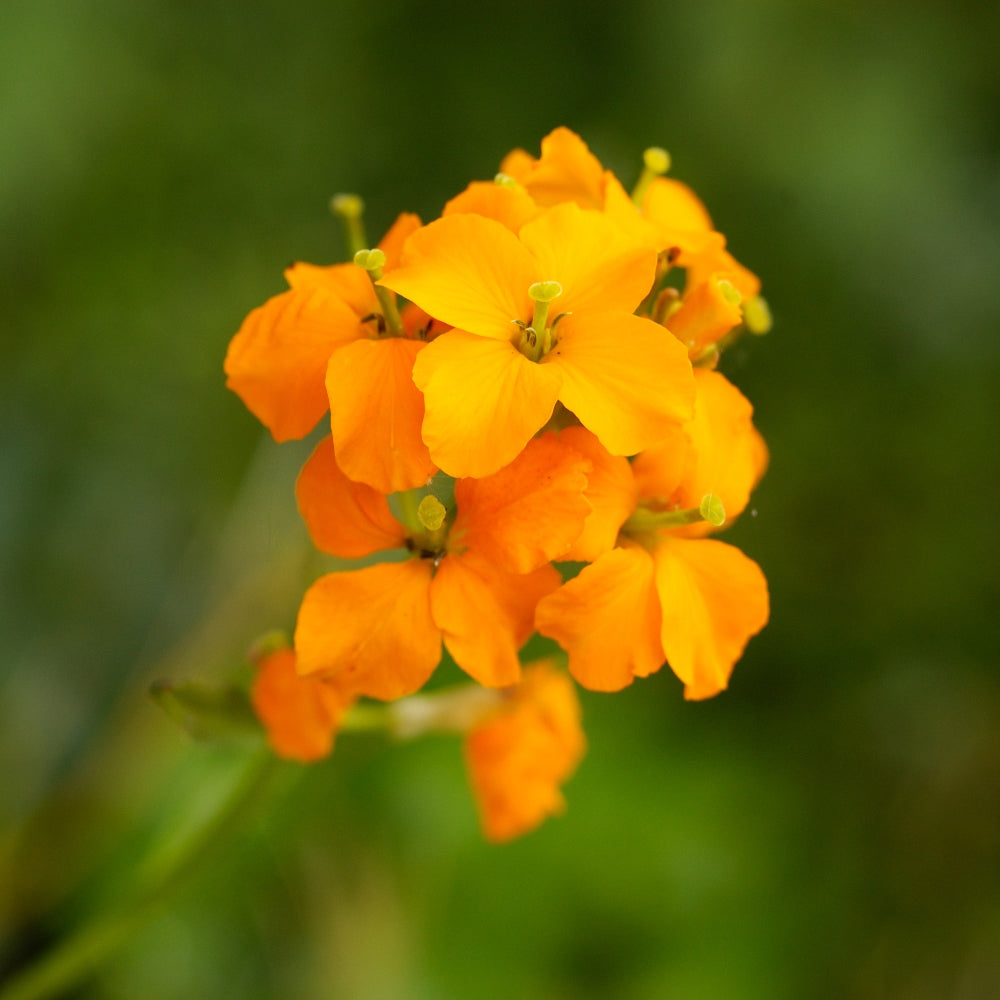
81	953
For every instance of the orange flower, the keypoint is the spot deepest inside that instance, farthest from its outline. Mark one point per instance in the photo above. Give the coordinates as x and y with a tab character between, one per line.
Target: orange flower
473	586
299	714
664	592
520	754
540	317
323	345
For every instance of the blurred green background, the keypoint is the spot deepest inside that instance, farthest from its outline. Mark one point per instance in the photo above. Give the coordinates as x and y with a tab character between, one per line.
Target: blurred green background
830	826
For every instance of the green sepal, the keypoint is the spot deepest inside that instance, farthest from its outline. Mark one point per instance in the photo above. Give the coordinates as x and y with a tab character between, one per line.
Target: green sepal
209	712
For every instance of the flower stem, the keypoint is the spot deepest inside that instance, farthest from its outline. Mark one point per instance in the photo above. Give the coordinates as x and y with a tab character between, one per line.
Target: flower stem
83	952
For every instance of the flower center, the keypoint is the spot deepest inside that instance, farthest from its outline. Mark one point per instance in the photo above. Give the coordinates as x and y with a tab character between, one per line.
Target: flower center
536	339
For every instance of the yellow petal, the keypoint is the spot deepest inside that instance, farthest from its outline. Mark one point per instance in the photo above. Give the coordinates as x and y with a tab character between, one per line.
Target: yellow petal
483	401
469	272
376	412
512	207
713	598
371	629
624	377
598	265
607	619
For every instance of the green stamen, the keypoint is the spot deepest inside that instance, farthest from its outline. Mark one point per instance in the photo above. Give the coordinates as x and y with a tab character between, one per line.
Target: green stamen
350	209
644	520
656	162
373	261
536	339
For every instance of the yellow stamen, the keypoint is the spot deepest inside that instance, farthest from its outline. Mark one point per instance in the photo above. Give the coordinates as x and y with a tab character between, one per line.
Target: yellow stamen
757	315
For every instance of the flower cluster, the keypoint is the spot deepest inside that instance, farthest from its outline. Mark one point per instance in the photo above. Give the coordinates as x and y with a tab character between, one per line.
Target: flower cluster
528	433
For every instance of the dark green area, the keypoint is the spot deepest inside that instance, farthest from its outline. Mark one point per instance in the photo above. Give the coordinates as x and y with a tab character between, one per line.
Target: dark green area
830	827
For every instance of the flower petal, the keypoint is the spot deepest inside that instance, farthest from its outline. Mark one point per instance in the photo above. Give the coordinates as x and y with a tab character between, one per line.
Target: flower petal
607	619
486	614
483	401
529	512
713	598
624	377
467	271
277	361
376	412
598	265
344	518
718	452
511	206
519	755
566	171
299	714
611	491
371	629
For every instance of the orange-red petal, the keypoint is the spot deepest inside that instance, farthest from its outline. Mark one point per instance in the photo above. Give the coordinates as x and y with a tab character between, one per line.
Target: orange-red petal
344	518
713	598
483	401
486	614
376	412
300	714
624	378
529	512
371	629
277	361
607	619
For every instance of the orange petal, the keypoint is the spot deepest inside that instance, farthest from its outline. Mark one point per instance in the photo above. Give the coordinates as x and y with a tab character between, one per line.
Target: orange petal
277	362
483	400
529	512
713	599
676	209
611	491
566	171
299	714
624	378
344	518
723	454
347	281
470	272
512	207
371	629
392	243
713	256
706	314
519	756
598	265
607	619
486	614
376	412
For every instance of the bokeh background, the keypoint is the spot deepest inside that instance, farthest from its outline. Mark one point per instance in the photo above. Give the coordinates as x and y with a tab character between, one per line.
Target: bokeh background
830	826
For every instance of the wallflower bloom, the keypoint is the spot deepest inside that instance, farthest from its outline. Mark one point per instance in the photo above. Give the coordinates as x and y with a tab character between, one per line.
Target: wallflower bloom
327	344
520	754
473	584
664	592
540	317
